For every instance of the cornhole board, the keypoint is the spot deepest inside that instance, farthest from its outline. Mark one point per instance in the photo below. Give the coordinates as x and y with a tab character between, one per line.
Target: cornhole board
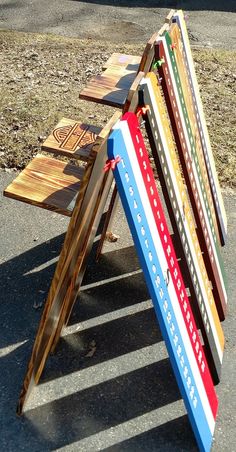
172	89
175	36
176	199
201	122
137	189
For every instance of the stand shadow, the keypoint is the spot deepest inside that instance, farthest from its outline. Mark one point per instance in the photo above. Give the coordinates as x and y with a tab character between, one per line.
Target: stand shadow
83	414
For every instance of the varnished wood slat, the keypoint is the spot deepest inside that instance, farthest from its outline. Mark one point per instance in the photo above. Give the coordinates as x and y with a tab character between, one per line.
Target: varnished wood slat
175	36
47	183
122	59
72	139
109	88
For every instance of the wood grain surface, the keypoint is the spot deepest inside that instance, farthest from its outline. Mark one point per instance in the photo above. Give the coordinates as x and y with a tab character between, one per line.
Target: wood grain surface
71	265
72	139
47	183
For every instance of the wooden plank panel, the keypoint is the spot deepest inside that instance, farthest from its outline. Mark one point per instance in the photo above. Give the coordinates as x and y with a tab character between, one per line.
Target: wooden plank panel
145	215
47	183
72	139
178	206
71	265
201	121
205	229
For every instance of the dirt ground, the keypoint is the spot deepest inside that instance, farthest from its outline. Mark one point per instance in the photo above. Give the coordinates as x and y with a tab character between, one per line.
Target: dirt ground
41	77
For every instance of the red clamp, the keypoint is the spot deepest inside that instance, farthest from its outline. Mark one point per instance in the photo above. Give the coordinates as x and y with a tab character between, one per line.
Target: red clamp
173	46
142	110
111	164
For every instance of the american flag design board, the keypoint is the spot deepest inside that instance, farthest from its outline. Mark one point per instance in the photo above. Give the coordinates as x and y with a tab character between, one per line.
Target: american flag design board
172	88
177	202
142	205
201	121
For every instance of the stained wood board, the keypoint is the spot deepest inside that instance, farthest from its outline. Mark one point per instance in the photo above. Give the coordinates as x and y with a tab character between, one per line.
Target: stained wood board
172	89
72	139
148	226
180	213
72	262
202	126
47	183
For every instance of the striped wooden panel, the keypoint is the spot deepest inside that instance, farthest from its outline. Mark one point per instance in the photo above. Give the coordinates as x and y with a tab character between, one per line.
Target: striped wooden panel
201	121
121	59
72	139
111	87
177	44
146	218
186	147
180	213
47	183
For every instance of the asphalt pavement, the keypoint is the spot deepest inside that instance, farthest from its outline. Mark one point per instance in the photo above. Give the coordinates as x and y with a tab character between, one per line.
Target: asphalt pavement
109	386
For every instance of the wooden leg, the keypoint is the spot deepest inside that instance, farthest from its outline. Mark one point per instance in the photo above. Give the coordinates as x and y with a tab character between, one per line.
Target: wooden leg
78	277
65	284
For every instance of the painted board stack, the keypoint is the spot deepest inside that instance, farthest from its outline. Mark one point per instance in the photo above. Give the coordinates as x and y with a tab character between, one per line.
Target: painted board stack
172	110
187	284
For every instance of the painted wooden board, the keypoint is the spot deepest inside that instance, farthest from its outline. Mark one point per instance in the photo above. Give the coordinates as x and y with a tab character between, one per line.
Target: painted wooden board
201	121
147	223
176	197
175	36
47	183
172	89
72	139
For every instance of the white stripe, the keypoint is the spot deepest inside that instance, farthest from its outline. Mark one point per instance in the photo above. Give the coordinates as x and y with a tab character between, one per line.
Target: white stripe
194	168
160	253
187	230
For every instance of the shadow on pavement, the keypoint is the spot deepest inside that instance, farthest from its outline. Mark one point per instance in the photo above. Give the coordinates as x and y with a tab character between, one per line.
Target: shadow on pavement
98	408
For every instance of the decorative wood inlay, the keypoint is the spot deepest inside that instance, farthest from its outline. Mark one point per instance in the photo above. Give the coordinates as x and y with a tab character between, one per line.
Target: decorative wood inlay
72	139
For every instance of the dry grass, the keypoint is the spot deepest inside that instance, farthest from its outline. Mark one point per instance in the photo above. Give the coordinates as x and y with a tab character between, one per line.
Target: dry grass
41	77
